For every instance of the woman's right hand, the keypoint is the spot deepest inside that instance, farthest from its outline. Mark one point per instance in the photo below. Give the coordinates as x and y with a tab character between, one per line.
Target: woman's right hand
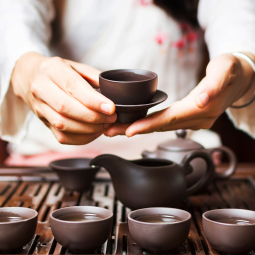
60	93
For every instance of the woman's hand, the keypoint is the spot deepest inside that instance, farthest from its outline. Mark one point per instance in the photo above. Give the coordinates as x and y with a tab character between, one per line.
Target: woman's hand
227	79
60	93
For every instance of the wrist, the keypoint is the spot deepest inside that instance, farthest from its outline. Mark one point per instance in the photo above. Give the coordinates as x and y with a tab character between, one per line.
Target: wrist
246	61
23	73
250	55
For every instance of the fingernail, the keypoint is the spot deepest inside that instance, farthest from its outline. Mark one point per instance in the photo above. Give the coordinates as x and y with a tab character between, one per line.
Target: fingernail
130	135
107	125
204	99
105	108
110	118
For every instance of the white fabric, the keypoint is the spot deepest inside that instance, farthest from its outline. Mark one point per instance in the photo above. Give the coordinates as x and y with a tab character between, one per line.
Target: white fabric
110	34
230	27
25	26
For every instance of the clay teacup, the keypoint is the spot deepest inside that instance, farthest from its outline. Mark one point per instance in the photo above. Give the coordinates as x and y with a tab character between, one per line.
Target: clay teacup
128	86
74	173
230	231
133	92
159	229
132	113
17	227
81	228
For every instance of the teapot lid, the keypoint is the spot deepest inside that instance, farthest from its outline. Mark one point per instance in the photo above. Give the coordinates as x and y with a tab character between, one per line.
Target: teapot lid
180	144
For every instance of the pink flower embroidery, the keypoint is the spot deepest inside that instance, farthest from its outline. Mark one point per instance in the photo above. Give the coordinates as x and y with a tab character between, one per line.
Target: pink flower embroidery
143	2
160	38
180	44
191	37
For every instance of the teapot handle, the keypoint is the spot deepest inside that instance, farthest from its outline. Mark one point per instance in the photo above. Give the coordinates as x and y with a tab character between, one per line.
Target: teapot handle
232	162
209	170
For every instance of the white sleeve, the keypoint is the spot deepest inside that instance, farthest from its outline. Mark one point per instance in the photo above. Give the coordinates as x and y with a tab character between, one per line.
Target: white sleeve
230	27
25	26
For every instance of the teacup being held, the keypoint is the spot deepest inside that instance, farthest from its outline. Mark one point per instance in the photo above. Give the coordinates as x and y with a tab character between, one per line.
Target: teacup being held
159	229
128	86
133	92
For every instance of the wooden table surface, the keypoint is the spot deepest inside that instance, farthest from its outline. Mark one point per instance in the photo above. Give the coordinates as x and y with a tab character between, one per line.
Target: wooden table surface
39	189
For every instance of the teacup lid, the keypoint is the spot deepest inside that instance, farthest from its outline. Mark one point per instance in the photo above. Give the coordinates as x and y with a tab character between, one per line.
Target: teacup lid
180	144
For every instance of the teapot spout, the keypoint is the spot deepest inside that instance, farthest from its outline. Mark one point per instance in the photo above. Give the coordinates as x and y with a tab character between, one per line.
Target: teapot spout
108	161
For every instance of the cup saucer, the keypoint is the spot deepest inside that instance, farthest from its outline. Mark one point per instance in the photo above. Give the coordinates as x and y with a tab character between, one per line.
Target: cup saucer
132	113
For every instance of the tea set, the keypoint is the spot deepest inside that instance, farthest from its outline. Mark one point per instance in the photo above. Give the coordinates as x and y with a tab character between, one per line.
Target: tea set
133	92
153	187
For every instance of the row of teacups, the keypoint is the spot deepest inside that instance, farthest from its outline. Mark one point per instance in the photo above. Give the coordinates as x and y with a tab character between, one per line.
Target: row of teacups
227	230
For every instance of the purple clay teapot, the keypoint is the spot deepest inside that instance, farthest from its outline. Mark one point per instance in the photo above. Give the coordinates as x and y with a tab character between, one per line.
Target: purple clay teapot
152	182
177	149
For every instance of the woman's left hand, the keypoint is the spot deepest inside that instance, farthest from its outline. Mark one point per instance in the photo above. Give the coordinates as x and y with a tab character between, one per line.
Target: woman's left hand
227	79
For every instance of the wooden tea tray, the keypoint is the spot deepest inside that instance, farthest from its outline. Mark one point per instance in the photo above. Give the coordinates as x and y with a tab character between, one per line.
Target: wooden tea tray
39	189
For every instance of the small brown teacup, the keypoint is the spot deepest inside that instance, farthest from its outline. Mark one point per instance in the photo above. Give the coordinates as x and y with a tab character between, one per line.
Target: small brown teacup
81	228
75	173
159	229
230	231
128	86
17	227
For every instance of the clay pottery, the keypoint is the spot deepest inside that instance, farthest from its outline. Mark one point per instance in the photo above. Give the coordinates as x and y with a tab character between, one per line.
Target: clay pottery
177	149
128	86
81	228
133	92
132	113
75	173
230	231
17	227
159	236
152	182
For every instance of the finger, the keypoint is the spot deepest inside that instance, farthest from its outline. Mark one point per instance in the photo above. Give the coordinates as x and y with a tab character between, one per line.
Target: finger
74	139
89	73
116	129
151	124
47	91
176	113
73	84
64	124
220	73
